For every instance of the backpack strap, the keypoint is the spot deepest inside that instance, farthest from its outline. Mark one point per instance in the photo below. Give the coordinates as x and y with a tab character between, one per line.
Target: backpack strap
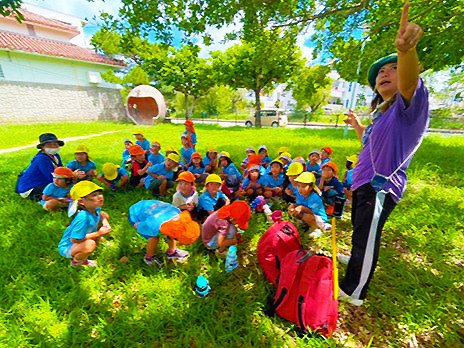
290	275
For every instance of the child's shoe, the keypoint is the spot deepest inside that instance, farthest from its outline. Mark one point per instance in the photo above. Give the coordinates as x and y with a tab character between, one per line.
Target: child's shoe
88	263
344	259
347	298
153	260
178	255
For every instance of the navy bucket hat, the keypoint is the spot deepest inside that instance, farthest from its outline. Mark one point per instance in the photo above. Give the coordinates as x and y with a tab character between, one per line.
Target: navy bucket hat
48	138
374	69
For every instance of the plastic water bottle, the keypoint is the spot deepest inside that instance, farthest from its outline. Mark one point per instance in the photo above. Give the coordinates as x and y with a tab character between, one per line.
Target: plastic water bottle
268	212
231	259
202	287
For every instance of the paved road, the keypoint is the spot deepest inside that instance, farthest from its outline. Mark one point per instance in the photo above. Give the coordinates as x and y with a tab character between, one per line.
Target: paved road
309	125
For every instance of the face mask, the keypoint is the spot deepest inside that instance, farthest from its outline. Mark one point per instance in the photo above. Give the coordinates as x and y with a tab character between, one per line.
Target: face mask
51	151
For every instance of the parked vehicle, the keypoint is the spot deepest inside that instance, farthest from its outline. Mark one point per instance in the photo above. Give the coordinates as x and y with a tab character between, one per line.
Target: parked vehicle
269	118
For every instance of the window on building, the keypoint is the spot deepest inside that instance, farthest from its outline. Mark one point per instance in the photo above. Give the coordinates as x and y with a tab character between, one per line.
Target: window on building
2	75
31	29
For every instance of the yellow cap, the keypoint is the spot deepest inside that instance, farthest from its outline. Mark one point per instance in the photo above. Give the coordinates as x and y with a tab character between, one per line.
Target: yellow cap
277	160
283	149
171	148
296	168
138	131
213	178
212	148
174	157
306	178
353	159
81	148
83	188
110	171
286	155
224	154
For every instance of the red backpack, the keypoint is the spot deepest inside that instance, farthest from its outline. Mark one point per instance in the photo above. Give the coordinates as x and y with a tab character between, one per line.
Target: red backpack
280	239
305	292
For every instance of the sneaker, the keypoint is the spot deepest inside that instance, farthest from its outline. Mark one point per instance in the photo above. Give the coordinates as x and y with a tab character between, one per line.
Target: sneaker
347	298
316	233
344	259
88	263
178	255
154	260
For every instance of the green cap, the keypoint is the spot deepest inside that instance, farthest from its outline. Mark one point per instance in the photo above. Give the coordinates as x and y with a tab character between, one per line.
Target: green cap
374	69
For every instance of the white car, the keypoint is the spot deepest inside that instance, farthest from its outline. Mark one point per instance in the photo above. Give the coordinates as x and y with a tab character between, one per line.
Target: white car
269	118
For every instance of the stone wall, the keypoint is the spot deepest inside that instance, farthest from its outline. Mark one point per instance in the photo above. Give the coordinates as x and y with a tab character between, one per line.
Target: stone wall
22	102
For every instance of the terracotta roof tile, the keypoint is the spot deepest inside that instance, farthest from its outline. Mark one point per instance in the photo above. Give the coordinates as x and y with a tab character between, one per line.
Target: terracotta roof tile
33	18
18	42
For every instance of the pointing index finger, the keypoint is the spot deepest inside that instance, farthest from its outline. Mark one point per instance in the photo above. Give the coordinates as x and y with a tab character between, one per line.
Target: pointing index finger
404	17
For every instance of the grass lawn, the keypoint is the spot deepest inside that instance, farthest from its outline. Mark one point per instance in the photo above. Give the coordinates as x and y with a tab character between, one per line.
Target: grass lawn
415	298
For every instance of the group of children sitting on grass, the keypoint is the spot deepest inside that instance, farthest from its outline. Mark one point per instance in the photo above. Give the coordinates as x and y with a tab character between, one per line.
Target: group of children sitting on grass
310	189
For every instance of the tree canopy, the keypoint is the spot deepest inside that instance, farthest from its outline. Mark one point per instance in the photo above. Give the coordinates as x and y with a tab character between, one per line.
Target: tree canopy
8	7
341	25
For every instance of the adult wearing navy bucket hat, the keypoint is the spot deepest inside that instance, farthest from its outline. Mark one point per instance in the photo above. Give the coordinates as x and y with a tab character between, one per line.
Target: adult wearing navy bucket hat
32	181
400	118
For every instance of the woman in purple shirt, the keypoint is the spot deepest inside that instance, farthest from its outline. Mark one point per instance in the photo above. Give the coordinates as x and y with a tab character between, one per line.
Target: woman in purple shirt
400	119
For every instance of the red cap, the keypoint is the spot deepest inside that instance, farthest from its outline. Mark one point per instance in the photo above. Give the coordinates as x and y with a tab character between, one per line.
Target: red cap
328	149
136	150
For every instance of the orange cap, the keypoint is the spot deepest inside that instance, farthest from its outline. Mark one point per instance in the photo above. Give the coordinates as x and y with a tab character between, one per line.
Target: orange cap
196	155
328	149
136	150
239	210
186	176
253	161
182	228
188	122
63	172
331	165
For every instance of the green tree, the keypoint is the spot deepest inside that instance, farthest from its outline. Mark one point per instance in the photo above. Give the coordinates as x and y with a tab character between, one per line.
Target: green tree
259	65
341	26
8	7
311	87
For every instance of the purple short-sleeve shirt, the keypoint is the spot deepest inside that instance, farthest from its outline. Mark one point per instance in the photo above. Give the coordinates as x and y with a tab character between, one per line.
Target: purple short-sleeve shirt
394	136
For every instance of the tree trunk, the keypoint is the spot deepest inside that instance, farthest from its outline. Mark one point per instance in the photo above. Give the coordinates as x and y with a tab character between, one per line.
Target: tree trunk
258	108
186	104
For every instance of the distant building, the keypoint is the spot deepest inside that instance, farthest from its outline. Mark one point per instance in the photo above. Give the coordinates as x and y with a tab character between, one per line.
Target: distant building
47	74
347	95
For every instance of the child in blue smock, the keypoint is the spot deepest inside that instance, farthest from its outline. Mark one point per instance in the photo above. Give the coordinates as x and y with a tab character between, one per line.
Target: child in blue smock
326	152
88	225
82	166
265	159
313	163
230	174
154	155
348	180
249	151
56	194
274	180
197	168
141	140
329	184
190	133
309	206
126	156
114	177
211	160
291	191
212	199
152	218
161	176
186	152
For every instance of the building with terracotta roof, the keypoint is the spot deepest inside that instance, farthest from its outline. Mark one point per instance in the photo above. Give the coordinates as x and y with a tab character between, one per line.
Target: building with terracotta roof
48	74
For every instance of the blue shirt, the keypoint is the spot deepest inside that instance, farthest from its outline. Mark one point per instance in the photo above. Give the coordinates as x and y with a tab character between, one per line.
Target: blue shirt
294	189
231	170
313	202
195	170
150	215
207	202
193	137
266	161
269	180
158	169
125	157
75	165
324	161
246	182
156	159
314	168
83	223
333	184
186	154
54	191
39	172
349	178
144	144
